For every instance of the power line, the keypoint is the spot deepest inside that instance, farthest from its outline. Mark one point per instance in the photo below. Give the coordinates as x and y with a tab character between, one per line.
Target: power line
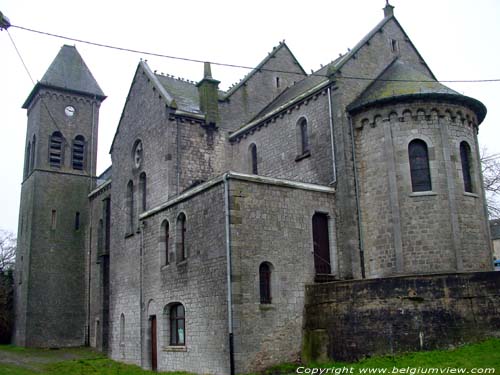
124	49
20	57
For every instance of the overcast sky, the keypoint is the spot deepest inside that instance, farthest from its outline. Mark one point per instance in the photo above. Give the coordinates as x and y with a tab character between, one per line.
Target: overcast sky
457	38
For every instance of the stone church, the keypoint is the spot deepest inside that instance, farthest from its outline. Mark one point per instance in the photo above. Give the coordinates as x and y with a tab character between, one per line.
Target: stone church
192	252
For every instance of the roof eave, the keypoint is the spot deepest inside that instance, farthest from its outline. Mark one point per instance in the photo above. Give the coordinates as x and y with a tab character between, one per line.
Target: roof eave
474	104
39	85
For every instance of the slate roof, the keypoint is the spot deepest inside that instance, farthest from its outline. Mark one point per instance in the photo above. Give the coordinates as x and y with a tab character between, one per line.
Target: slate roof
184	93
495	229
401	81
68	72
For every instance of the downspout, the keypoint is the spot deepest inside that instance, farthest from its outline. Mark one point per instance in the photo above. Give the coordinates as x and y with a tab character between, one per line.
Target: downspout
87	342
358	207
178	157
227	214
141	248
332	137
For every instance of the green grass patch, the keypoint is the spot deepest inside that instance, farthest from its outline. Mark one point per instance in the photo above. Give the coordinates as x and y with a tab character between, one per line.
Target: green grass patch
85	361
482	355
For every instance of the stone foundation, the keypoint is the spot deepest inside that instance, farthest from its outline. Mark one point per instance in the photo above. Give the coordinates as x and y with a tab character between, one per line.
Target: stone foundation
350	320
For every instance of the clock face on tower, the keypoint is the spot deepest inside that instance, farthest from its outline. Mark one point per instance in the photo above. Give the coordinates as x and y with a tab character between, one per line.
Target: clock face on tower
69	111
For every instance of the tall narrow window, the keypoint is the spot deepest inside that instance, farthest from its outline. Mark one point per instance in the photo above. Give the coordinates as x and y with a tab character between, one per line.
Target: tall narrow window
107	222
164	241
177	325
130	207
303	137
27	160
33	154
181	237
122	329
77	221
142	187
78	152
465	157
56	149
419	166
100	237
53	220
265	283
253	159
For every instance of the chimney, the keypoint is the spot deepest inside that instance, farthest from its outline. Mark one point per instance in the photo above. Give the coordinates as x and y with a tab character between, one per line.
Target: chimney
208	89
388	10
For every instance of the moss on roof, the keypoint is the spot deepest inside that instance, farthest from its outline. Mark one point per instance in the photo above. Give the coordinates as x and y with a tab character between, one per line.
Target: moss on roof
185	93
402	81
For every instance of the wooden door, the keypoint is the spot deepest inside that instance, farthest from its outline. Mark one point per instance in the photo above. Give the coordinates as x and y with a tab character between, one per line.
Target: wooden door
154	358
321	244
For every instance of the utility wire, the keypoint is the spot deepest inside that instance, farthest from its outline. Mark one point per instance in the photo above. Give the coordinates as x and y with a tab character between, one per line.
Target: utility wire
20	57
241	66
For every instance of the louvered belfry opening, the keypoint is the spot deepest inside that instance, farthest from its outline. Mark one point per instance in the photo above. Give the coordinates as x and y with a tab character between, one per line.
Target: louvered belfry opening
56	149
78	153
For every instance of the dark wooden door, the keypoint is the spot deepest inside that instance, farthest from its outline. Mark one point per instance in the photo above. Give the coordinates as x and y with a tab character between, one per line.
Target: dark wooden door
154	358
321	244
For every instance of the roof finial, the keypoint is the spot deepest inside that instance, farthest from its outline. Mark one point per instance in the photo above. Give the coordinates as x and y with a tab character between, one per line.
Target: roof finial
388	9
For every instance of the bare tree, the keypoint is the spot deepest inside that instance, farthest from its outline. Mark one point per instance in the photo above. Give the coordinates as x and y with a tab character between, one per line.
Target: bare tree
490	164
7	250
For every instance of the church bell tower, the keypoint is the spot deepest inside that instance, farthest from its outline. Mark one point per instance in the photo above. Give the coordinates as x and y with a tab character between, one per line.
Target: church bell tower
59	171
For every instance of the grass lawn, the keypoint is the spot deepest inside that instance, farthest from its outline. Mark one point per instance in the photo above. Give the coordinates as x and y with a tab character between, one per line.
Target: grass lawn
85	361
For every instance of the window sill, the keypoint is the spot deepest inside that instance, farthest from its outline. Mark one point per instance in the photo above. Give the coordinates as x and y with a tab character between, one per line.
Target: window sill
174	348
303	156
164	266
422	193
266	307
127	235
182	262
472	195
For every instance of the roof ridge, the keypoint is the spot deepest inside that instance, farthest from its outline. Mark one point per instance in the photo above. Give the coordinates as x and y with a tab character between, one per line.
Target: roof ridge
171	76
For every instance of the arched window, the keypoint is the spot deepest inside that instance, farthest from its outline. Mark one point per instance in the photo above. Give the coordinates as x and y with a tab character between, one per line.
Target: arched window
181	237
465	158
122	329
130	207
33	153
177	325
56	150
78	152
265	283
253	159
303	137
142	187
419	166
164	242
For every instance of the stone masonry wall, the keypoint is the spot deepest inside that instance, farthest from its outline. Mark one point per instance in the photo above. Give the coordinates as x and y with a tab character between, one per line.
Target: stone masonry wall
199	283
271	223
257	92
416	232
399	314
278	145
